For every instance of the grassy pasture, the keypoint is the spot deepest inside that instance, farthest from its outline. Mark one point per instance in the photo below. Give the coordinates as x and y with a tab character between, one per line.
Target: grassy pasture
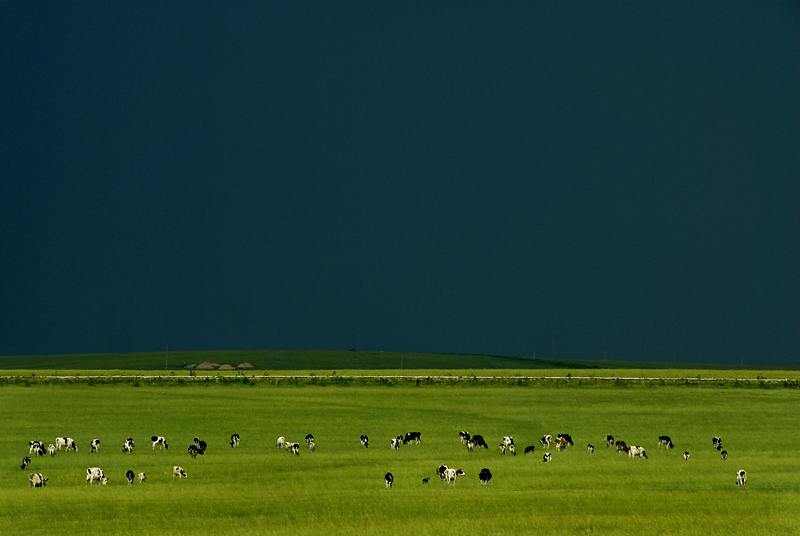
339	488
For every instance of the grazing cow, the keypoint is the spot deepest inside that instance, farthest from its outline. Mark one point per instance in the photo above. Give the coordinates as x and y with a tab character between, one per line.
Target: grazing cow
309	440
546	440
396	443
508	443
561	443
567	437
686	455
636	450
477	441
529	449
142	477
295	449
485	476
130	476
441	471
590	448
234	440
51	449
34	446
512	449
450	475
160	441
95	446
665	441
193	451
546	458
741	478
312	446
26	461
281	442
426	480
470	445
717	443
389	479
66	442
621	446
37	480
464	437
95	473
724	455
364	441
609	441
178	471
412	436
127	447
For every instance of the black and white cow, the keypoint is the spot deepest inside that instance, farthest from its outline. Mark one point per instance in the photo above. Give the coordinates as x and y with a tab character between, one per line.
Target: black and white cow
464	437
485	476
36	447
686	455
590	448
508	443
95	473
127	447
621	446
142	477
561	443
178	471
309	439
280	442
364	441
441	471
741	478
201	445
160	441
66	442
26	461
529	449
546	440
51	449
193	451
94	446
37	480
396	443
312	446
665	441
566	437
546	458
234	440
389	479
130	476
717	443
412	436
609	441
450	475
636	450
294	448
724	455
478	441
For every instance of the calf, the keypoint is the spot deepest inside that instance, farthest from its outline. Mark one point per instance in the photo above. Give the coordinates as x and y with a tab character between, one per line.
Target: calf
412	436
724	455
396	443
178	471
26	461
389	479
234	440
127	447
590	448
665	441
66	442
281	442
546	458
94	446
609	441
364	441
37	480
95	473
621	446
485	476
561	443
546	440
741	478
529	449
160	441
686	455
51	449
464	437
142	477
130	476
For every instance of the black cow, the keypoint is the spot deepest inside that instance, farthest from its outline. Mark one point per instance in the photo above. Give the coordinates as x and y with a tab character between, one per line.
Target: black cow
478	441
609	441
412	436
130	476
529	449
485	476
665	441
389	479
567	437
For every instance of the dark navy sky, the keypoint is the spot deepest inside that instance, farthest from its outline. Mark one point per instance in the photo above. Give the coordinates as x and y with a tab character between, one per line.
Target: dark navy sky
559	179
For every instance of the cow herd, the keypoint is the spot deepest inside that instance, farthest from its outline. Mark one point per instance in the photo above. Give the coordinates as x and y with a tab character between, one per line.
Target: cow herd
95	474
445	473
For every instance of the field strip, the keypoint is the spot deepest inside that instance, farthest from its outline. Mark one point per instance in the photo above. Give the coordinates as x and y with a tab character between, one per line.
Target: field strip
204	377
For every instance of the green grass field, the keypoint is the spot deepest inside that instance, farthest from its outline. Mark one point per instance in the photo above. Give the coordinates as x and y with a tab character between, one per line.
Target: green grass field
339	489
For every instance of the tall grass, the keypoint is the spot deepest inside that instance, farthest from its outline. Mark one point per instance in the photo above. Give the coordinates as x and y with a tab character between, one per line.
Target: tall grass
339	489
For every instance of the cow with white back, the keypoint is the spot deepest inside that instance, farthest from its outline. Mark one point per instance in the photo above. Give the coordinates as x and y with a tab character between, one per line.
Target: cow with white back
51	449
142	477
178	471
665	441
127	447
741	478
686	455
67	443
450	475
95	473
160	441
546	440
636	450
37	480
395	443
94	446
